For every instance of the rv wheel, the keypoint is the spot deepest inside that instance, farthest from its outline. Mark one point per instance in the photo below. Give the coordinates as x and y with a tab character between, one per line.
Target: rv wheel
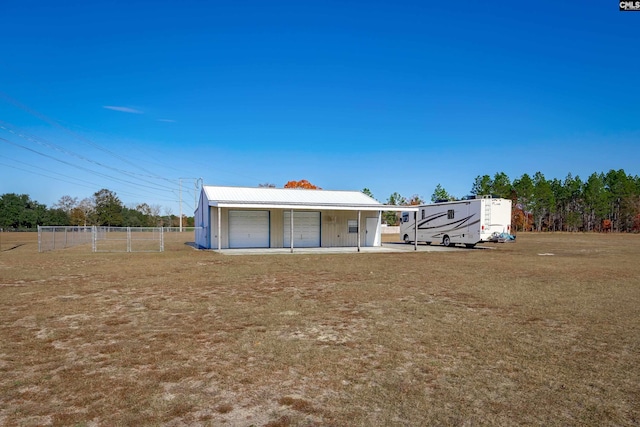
406	238
446	241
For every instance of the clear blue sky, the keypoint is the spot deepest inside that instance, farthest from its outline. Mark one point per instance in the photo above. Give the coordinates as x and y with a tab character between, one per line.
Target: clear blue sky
390	95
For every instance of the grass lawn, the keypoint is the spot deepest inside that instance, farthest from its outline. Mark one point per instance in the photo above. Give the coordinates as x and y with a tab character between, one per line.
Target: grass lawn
545	331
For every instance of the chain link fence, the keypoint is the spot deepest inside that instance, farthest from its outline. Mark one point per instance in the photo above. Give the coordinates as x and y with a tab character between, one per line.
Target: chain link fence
102	239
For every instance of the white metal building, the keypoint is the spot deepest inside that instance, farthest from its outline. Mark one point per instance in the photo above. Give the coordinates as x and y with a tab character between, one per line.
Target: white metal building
245	217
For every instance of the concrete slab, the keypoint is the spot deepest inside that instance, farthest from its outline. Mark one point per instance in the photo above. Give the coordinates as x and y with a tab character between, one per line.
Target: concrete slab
385	248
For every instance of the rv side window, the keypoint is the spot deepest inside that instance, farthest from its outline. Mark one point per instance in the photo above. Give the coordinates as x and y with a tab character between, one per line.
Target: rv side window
450	214
405	217
352	224
423	214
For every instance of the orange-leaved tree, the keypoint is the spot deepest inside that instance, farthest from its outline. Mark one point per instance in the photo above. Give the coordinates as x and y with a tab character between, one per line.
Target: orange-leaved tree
303	183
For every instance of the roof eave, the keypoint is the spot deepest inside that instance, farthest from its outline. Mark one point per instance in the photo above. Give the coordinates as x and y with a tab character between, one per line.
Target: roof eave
315	206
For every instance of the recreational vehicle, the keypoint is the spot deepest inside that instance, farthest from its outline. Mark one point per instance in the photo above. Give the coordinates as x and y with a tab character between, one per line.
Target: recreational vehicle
474	220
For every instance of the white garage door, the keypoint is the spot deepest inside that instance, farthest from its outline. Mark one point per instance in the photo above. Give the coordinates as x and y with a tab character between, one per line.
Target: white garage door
248	229
306	229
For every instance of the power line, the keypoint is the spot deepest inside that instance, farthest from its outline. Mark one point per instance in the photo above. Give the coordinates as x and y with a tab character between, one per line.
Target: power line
46	176
50	145
74	134
81	183
78	167
44	143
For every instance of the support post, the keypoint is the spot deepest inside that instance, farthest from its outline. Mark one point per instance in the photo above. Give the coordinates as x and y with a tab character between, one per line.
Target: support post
291	231
180	192
219	227
358	231
415	231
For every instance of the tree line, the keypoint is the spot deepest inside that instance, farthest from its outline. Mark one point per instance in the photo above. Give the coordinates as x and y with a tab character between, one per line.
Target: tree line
104	208
603	202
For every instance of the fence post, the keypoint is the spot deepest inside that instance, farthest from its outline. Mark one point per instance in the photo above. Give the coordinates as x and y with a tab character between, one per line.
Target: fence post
128	239
93	238
161	239
39	240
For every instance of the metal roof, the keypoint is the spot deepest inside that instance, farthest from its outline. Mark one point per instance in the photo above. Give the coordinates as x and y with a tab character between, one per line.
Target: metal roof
293	198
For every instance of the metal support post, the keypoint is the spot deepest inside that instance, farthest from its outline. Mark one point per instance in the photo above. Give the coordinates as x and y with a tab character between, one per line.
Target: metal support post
291	233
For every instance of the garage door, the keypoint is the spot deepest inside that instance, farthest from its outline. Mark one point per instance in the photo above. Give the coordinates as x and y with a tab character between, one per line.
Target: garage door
248	229
306	229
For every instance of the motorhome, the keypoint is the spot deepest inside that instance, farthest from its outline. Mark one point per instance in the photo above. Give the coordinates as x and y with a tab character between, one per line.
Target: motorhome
474	220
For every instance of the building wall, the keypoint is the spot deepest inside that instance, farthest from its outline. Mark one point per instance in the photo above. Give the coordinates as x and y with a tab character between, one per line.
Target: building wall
277	229
202	225
335	228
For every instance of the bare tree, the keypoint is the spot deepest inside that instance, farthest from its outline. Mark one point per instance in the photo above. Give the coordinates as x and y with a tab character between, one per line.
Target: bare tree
155	213
83	212
66	204
169	214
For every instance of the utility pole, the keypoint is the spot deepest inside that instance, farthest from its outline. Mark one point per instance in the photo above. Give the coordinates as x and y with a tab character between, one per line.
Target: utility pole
195	180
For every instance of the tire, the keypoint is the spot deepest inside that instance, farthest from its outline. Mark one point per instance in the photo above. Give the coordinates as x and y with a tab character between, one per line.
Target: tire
406	239
447	241
428	243
470	245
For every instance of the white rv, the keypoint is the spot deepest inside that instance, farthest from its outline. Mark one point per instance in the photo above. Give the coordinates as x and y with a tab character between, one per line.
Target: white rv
468	222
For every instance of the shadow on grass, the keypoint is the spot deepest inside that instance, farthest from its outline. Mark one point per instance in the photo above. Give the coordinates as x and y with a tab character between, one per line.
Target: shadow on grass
13	247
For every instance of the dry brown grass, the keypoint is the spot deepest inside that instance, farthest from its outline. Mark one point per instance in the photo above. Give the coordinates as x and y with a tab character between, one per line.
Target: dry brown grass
183	337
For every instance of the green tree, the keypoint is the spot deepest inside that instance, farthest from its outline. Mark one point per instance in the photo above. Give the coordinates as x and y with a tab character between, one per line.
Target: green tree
574	204
11	207
147	217
131	218
620	190
570	204
108	208
368	192
595	201
543	200
559	196
440	194
56	217
391	217
501	185
524	197
18	211
482	185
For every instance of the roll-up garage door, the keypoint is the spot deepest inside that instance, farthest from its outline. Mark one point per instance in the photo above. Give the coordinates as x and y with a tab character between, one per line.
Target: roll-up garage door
248	229
306	229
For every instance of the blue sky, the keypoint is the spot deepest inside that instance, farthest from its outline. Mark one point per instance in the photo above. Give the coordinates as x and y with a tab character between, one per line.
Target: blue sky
392	96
